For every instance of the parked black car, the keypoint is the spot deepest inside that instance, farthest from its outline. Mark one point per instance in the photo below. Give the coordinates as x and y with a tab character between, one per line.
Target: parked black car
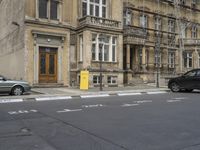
189	81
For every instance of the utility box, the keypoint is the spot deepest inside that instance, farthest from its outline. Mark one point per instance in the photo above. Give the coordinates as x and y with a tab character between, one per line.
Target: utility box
84	85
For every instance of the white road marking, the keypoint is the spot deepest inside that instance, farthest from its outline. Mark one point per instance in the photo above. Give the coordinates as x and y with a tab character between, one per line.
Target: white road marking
69	110
144	101
159	92
173	101
2	101
92	106
53	98
180	98
22	112
129	105
93	96
128	94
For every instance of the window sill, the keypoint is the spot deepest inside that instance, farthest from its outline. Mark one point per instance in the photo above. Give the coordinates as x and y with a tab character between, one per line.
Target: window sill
105	62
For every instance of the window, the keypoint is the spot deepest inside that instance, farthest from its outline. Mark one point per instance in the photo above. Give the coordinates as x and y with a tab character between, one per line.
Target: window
54	10
158	59
194	31
108	50
187	59
127	17
81	48
194	3
158	23
199	59
114	44
183	29
96	79
43	8
112	80
94	8
143	21
48	9
190	74
171	59
172	41
182	2
171	25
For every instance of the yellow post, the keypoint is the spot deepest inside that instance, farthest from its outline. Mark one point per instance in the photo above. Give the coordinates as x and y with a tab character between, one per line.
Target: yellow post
84	80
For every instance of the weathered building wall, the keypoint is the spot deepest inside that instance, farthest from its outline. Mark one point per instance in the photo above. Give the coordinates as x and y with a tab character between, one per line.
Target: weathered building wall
12	38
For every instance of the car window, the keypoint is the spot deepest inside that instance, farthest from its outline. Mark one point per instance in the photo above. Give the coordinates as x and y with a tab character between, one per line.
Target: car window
190	74
198	73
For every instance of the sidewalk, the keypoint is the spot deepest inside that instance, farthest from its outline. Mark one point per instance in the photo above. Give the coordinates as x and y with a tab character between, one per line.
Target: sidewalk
69	92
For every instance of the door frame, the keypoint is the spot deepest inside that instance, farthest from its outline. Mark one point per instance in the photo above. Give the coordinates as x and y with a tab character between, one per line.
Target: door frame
48	78
36	62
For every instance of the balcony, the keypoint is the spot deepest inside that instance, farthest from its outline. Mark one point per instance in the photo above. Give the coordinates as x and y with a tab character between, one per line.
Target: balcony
134	35
191	42
135	32
98	22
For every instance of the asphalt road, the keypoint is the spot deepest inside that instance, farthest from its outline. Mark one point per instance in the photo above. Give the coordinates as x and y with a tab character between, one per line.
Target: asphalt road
169	121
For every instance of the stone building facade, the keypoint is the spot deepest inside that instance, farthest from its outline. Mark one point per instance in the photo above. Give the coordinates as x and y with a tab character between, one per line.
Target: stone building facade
51	41
160	36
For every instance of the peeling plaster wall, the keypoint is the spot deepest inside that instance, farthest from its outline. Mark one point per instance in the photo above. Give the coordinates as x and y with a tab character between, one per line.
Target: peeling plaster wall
12	39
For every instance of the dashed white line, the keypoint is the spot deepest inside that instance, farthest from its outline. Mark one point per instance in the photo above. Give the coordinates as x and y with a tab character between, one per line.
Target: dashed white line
173	101
94	96
3	101
144	101
129	105
53	98
92	106
159	92
69	110
180	98
128	94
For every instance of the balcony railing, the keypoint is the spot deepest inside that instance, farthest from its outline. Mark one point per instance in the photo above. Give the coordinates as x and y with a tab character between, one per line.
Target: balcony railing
191	41
99	22
135	32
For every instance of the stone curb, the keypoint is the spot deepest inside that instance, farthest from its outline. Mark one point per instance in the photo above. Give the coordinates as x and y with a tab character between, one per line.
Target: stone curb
81	96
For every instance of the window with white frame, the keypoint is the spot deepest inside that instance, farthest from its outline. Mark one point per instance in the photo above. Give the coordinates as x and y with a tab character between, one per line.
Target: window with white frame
158	23
171	25
187	58
96	79
183	29
107	51
112	79
96	8
194	31
48	9
81	48
127	17
143	21
171	59
140	55
172	41
114	45
158	62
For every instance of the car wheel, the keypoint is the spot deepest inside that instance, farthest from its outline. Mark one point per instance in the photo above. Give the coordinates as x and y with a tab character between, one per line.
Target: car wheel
174	87
17	90
188	90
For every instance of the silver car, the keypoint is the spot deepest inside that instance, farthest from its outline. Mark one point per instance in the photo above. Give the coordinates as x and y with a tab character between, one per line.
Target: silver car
13	87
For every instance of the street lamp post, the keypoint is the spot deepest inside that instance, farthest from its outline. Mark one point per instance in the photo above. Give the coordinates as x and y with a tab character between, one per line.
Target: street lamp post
101	44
